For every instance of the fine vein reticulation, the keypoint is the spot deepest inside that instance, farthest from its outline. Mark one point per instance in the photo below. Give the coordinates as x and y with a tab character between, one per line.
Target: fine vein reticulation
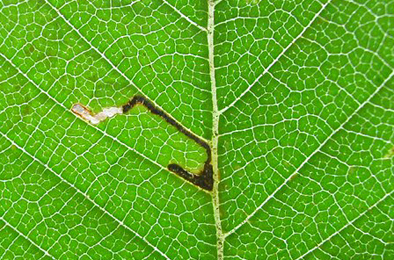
205	178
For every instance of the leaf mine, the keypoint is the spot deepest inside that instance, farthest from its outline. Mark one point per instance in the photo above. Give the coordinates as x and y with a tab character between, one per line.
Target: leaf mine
203	179
87	115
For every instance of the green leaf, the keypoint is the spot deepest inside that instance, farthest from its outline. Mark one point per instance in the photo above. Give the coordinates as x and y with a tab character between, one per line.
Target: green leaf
285	107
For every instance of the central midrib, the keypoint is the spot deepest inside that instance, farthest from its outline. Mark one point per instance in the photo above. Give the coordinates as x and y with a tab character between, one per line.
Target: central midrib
215	129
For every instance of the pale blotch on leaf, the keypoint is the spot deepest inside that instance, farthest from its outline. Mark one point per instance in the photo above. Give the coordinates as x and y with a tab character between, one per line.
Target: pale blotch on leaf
84	113
352	169
390	153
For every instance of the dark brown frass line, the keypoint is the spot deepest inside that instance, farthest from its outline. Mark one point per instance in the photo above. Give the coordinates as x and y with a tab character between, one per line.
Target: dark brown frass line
205	178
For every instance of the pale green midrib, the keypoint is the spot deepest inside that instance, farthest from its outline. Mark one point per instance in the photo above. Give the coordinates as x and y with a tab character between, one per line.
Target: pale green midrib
355	112
215	131
346	226
64	180
46	253
114	66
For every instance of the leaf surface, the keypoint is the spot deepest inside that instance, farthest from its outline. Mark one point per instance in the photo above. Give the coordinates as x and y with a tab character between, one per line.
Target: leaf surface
295	100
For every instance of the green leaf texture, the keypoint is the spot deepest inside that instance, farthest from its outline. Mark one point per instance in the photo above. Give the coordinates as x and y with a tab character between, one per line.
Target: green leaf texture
295	99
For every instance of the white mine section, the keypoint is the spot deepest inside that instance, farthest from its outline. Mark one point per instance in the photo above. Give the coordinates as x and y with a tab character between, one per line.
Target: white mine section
95	119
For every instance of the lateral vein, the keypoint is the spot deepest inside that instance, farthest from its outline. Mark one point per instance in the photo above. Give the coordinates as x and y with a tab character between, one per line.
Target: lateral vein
105	57
276	59
309	157
85	195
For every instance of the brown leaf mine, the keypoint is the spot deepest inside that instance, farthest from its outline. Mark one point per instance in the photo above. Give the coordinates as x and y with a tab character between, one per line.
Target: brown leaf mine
204	179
